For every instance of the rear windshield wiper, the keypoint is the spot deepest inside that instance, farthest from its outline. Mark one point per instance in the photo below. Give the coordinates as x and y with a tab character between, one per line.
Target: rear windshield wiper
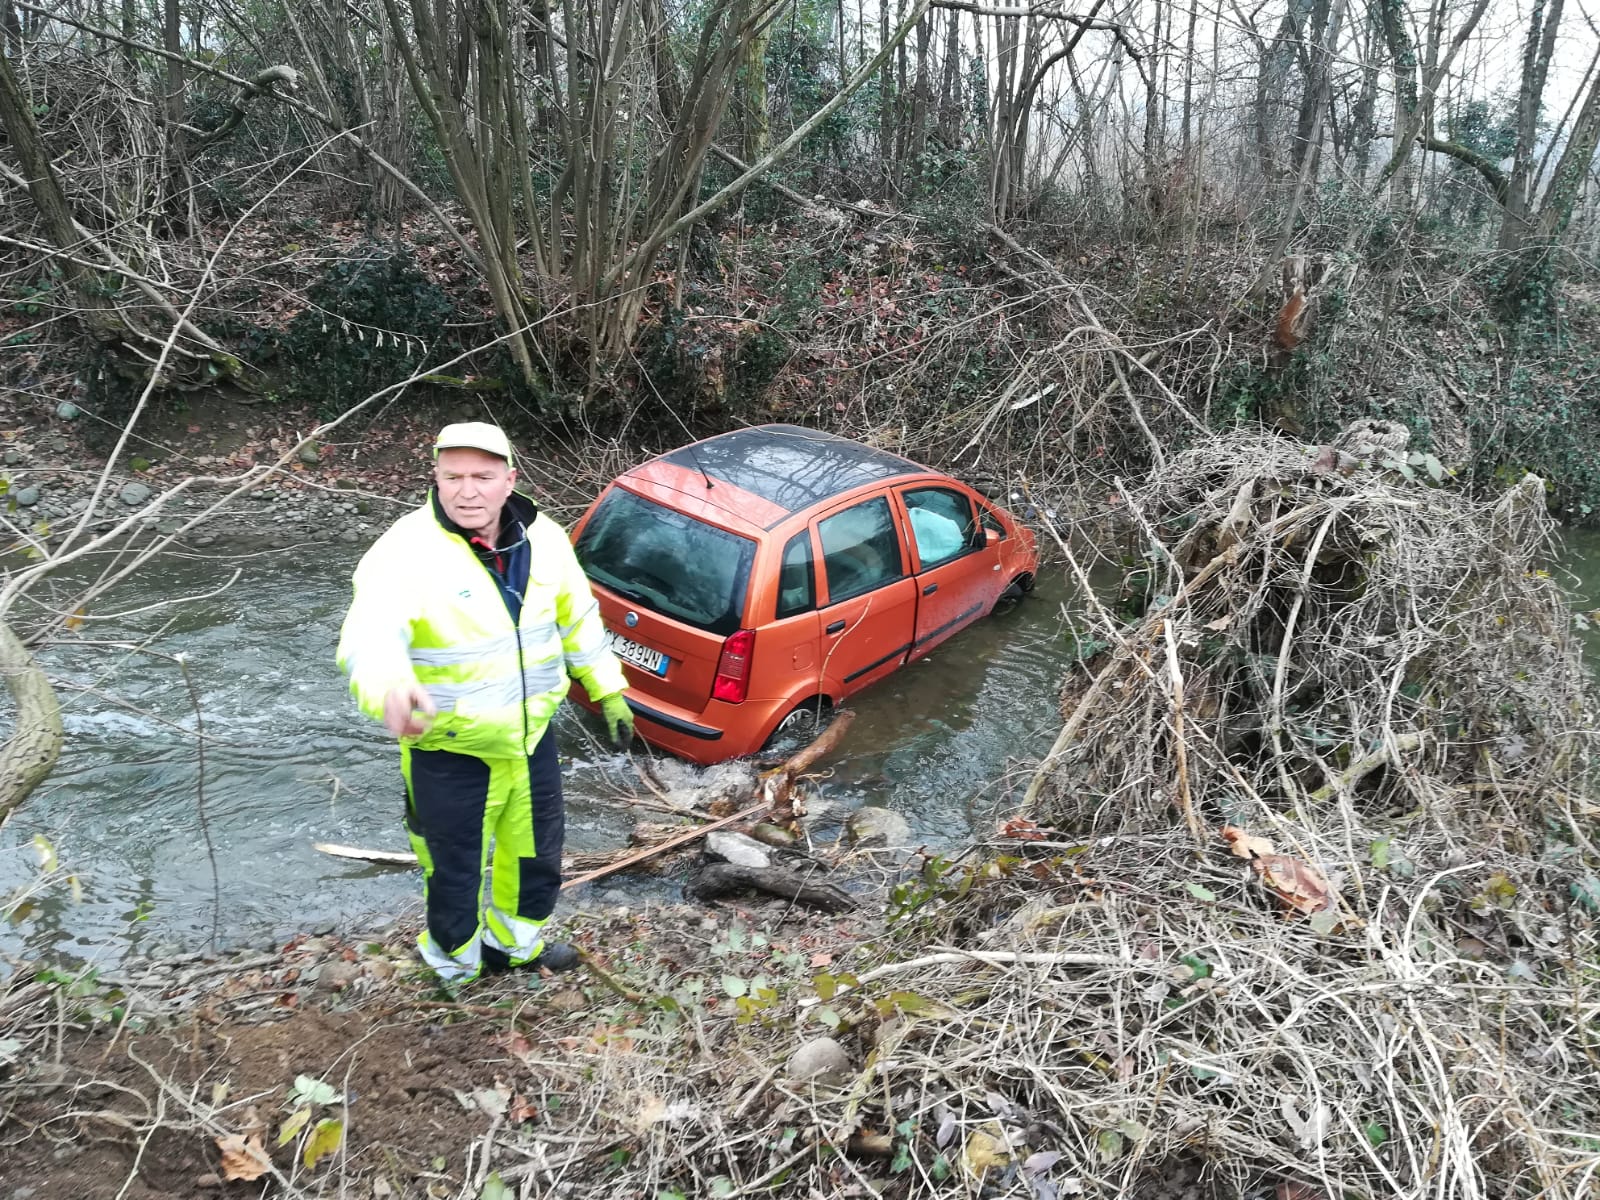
636	596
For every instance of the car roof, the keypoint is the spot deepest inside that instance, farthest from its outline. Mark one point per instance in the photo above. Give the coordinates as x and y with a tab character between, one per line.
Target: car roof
789	467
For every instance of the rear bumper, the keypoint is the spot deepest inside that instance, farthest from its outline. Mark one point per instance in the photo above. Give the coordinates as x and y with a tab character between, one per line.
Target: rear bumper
702	733
722	731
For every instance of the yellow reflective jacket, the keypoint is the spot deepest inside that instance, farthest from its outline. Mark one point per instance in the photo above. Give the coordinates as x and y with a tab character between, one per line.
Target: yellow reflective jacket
426	609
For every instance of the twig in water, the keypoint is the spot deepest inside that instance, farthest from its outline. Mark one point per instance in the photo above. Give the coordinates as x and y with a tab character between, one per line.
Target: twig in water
200	796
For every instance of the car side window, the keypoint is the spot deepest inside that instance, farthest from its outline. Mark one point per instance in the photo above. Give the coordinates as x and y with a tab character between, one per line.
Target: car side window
860	549
990	521
797	577
942	524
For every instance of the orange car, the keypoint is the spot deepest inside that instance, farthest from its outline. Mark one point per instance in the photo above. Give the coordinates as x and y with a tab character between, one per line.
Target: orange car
761	574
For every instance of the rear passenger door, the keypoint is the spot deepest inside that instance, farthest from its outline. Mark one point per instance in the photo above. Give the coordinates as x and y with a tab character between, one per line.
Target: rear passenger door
870	611
956	568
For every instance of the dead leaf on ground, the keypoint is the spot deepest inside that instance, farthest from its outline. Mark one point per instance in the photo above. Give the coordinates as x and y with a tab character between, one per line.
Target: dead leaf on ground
985	1151
1023	830
1301	886
1298	884
242	1157
1245	844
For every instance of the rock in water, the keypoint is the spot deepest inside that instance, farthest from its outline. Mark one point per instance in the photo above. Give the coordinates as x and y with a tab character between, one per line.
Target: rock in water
871	826
134	494
819	1058
774	835
738	848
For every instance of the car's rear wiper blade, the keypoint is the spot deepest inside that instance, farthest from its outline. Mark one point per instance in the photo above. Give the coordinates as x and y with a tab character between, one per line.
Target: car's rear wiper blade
636	597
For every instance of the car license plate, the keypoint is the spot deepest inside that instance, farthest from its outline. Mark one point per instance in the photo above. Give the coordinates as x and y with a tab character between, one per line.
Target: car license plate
640	656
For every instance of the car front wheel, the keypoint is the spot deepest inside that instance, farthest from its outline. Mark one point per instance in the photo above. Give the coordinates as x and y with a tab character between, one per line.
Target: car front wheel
1014	591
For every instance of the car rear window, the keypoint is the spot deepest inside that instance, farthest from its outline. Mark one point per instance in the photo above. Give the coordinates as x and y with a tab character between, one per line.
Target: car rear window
667	562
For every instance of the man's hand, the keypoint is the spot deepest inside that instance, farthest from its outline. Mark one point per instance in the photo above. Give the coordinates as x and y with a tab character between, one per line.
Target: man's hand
619	719
408	710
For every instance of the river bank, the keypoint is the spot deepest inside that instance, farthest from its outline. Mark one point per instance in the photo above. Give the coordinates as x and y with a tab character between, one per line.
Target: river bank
1101	999
225	1071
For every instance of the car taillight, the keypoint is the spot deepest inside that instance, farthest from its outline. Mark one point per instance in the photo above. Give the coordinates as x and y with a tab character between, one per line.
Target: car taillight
733	668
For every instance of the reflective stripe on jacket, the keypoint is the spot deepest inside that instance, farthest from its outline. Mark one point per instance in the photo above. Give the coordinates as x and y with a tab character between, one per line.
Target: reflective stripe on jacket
426	609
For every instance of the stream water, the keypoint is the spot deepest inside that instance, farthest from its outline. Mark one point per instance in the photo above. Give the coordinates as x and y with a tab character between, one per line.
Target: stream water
287	761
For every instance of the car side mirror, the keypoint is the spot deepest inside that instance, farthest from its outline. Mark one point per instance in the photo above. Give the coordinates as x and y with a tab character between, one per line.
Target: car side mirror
990	536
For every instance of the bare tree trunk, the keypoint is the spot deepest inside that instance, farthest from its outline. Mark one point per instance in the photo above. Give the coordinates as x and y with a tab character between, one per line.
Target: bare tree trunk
1362	126
921	97
950	114
1003	120
16	114
1329	40
129	28
757	127
1414	113
1272	78
31	752
1188	81
447	69
885	108
1154	135
1537	51
1318	63
178	191
1543	230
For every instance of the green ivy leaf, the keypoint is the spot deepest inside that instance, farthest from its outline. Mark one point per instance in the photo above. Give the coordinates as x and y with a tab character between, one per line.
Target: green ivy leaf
1109	1145
310	1090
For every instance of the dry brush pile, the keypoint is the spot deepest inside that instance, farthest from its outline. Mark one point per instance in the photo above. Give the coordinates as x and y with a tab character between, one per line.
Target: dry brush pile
1377	674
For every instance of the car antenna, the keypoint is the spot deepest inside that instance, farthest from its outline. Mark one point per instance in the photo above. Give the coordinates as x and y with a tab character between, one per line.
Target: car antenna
703	472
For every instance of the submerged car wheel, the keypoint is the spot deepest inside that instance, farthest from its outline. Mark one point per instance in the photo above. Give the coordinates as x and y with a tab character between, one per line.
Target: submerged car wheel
804	723
1014	591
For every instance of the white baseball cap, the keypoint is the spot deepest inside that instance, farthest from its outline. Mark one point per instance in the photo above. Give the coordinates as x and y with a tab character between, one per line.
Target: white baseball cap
474	435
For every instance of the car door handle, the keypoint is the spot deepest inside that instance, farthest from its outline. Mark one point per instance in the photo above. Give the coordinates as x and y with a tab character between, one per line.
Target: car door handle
836	627
930	589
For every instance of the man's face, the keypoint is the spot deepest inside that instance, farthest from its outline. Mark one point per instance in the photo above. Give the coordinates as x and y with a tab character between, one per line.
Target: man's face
473	486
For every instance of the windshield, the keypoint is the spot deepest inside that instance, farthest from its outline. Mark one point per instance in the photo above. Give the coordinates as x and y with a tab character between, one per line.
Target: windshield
667	562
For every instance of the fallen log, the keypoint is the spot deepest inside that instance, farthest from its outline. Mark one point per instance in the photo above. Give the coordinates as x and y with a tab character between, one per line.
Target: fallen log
684	839
725	878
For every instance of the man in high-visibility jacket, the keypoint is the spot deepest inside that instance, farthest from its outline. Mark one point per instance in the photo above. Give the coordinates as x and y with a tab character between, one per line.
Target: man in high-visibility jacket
468	617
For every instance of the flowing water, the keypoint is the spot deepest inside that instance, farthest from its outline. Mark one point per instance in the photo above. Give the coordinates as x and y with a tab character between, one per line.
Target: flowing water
287	761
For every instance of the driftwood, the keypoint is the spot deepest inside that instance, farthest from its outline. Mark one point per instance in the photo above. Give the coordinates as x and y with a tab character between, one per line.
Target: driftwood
397	858
776	789
724	878
404	858
778	783
639	856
